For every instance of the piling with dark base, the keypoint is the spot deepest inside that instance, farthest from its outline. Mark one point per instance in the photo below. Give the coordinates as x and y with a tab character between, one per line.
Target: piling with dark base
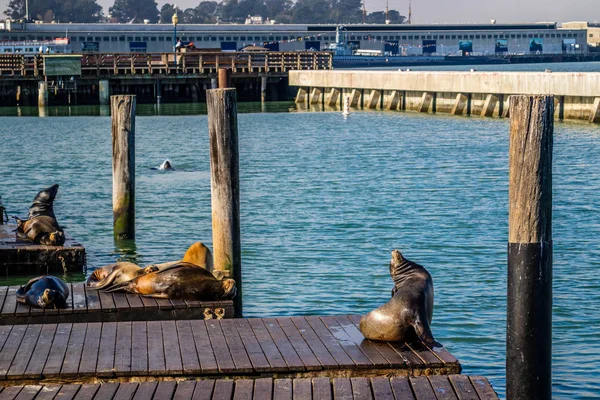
225	186
123	165
224	78
529	310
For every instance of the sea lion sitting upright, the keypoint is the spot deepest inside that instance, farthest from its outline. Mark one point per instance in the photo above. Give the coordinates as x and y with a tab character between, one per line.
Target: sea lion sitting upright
182	281
41	226
116	273
44	292
409	311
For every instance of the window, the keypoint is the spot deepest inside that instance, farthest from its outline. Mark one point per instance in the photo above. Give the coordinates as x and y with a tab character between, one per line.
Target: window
130	38
470	36
547	35
489	36
221	38
591	35
512	36
453	36
460	36
228	38
161	39
106	39
153	38
206	38
378	37
114	38
552	35
429	37
97	39
478	36
518	36
138	39
385	38
278	38
121	38
242	37
435	36
410	38
145	39
39	38
403	37
81	38
213	39
284	38
168	38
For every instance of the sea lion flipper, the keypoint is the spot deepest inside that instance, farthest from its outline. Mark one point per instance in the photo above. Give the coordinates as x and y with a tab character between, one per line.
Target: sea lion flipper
157	295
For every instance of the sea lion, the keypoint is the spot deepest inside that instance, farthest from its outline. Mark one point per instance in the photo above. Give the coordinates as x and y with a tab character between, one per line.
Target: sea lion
116	273
197	254
182	281
164	166
41	226
44	292
409	311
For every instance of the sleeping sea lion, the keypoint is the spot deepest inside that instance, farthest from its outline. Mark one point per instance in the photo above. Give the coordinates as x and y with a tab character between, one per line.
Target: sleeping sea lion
197	254
182	281
41	226
44	292
409	311
116	273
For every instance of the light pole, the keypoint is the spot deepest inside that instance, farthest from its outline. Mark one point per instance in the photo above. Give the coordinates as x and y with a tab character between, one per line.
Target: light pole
175	20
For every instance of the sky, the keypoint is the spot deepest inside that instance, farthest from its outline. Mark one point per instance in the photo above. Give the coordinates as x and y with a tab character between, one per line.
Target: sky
464	11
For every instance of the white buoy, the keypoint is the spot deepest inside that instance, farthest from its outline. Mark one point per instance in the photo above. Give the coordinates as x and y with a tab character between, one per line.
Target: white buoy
346	111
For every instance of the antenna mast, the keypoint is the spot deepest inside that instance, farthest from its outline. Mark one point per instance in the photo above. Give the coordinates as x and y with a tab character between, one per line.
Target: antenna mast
387	11
409	12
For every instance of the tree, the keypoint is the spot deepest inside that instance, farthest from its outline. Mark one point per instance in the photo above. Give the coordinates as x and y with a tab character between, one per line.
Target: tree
379	17
311	11
166	13
346	11
134	11
56	10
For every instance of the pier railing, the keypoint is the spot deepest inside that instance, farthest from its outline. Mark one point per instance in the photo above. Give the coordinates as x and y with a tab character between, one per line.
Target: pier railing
107	64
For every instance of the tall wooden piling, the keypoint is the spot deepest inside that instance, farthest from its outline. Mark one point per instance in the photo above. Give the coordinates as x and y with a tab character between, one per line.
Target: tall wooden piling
529	309
224	78
225	187
123	165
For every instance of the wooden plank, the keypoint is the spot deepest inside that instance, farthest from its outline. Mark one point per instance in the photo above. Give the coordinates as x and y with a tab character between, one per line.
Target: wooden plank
302	389
382	390
321	388
223	389
107	391
28	392
300	346
445	356
243	389
106	352
125	391
72	359
312	340
135	302
253	349
203	390
139	348
123	348
156	352
107	303
187	346
4	334
378	353
92	299
401	388
410	358
149	303
173	362
263	389
238	352
3	290
442	387
284	346
463	387
342	389
69	309
164	390
206	356
421	388
22	310
361	360
48	392
10	303
87	392
332	345
79	300
89	357
423	352
164	304
184	390
282	389
68	392
269	348
361	390
178	303
121	303
482	386
10	348
19	364
145	390
220	348
10	392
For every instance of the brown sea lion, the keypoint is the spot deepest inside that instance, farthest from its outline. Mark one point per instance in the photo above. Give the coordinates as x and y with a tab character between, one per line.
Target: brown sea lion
182	281
41	226
44	292
197	254
409	312
116	273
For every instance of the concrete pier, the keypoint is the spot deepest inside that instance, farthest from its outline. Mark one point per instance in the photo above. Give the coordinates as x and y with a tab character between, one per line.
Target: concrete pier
485	94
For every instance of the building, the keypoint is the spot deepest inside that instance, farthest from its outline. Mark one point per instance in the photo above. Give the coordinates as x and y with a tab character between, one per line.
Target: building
592	28
472	39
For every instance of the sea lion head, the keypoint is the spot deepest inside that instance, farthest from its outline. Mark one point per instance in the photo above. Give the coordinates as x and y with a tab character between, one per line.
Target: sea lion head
229	288
52	299
46	196
397	257
53	239
166	165
200	255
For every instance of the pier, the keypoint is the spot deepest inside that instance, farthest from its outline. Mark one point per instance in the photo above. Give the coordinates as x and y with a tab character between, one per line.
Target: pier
576	95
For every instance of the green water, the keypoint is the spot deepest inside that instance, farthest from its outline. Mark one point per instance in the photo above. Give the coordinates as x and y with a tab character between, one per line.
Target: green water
324	199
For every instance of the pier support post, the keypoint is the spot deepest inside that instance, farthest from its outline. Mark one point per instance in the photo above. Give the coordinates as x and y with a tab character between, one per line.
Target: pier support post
355	96
489	105
426	101
224	78
214	84
374	99
334	95
459	104
392	101
104	92
529	295
302	95
595	113
263	89
158	89
42	94
123	165
315	95
225	187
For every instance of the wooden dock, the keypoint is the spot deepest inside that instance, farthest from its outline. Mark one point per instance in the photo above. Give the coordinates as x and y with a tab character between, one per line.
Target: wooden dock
19	257
89	305
378	388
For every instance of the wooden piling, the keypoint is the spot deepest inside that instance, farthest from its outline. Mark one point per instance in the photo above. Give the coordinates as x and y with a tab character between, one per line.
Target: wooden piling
225	187
529	311
224	78
123	164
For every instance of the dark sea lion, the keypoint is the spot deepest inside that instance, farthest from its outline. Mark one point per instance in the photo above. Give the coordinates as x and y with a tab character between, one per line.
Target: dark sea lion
44	292
409	312
116	273
41	226
182	281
